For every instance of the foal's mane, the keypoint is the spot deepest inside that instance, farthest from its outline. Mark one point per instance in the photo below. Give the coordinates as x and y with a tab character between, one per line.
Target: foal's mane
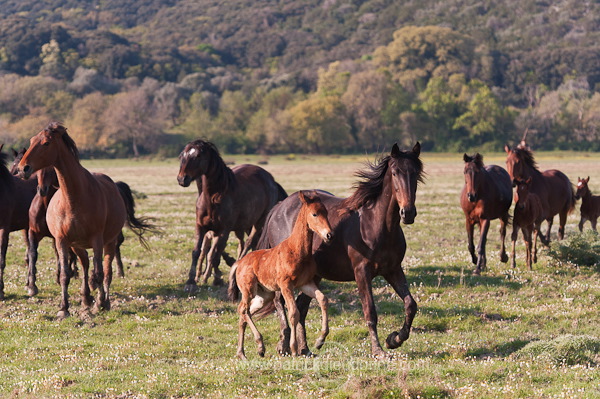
56	127
370	188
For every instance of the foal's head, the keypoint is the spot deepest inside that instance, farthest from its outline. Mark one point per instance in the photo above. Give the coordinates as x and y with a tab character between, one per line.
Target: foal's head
316	215
522	192
473	175
195	160
582	188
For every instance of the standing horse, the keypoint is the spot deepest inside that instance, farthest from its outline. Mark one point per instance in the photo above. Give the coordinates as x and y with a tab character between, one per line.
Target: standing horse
287	266
367	240
529	214
552	186
237	200
486	195
590	204
15	197
87	211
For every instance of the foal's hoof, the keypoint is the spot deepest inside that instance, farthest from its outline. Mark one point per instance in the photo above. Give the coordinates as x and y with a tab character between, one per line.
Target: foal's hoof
32	291
191	288
63	314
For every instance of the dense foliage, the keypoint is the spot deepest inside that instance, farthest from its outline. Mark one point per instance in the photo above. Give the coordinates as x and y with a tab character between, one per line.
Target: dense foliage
301	76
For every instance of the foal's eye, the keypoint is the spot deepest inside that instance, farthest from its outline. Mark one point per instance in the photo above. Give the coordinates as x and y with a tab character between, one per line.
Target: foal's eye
314	215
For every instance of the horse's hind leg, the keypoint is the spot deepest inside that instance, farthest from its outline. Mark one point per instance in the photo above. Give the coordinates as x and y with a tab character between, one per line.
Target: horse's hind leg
550	222
203	251
314	292
109	255
86	297
65	277
397	280
503	224
3	248
562	220
120	240
219	243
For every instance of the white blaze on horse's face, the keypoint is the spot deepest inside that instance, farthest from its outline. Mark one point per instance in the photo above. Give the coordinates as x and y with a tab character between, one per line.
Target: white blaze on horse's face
579	184
191	152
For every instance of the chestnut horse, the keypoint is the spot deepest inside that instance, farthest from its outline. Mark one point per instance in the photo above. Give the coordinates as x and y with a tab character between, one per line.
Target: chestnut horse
367	240
87	211
237	200
15	198
287	266
552	186
590	204
486	195
529	214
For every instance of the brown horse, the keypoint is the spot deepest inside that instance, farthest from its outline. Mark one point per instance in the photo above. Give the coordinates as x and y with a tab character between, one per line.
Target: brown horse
237	200
287	266
590	204
486	195
552	186
15	198
87	211
529	214
367	240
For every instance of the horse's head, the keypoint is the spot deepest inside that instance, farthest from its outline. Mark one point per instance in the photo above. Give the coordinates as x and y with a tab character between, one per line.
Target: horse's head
522	192
473	175
518	161
43	150
18	155
407	170
316	215
195	159
582	188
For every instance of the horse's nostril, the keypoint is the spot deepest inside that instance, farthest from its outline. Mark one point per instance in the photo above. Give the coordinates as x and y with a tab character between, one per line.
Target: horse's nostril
402	212
328	236
26	168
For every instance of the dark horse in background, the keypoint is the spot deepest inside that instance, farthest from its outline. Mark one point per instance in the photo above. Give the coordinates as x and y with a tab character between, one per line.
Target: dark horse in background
237	200
367	240
486	195
552	186
15	198
88	211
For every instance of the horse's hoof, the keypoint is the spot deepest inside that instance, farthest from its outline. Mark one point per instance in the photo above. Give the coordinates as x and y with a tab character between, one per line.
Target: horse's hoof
32	291
319	342
504	258
476	272
396	339
218	282
191	288
381	355
283	350
63	314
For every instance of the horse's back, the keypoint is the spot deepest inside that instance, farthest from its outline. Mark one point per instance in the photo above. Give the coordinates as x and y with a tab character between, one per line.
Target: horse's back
559	191
501	180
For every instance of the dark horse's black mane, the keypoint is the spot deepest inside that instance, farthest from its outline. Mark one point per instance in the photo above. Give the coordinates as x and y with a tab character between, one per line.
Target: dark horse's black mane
525	154
369	189
57	127
6	177
219	171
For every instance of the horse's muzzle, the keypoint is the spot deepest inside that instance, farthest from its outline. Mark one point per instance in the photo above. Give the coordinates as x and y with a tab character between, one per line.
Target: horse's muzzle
184	181
25	172
408	215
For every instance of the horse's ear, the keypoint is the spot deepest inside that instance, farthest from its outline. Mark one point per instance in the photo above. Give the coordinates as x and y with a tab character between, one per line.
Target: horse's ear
507	148
417	149
1	146
467	158
14	152
478	157
587	180
395	151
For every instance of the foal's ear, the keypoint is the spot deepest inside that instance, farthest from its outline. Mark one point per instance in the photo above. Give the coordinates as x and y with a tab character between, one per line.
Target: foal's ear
417	149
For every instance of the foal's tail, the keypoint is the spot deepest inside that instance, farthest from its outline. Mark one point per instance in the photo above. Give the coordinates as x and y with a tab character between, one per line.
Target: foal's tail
233	292
138	225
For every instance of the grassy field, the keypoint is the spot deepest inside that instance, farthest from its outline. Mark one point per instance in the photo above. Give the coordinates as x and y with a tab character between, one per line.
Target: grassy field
505	334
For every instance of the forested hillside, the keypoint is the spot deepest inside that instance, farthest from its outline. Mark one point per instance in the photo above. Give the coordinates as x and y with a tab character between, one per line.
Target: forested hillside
136	77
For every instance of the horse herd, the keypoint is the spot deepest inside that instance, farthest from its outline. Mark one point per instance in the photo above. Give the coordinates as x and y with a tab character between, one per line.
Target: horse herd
292	241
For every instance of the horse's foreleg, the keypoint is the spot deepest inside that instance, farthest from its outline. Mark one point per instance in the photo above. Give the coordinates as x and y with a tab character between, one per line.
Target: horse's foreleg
65	277
470	227
219	243
363	281
593	222
206	241
32	289
313	291
503	224
242	248
581	223
3	248
109	254
190	285
86	297
397	280
484	226
550	222
97	280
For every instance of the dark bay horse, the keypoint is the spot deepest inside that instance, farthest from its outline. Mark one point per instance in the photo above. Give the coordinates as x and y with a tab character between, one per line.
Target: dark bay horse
367	239
590	204
529	215
486	195
237	200
287	266
87	211
15	198
552	186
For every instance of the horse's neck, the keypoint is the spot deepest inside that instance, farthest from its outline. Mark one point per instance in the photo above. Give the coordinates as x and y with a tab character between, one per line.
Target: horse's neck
300	241
218	178
530	171
69	175
384	213
587	197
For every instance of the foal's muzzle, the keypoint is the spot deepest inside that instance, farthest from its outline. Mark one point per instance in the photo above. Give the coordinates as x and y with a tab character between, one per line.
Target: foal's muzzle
408	214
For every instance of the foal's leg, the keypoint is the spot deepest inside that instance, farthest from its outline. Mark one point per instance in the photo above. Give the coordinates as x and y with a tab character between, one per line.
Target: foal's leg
190	285
397	280
3	248
293	315
528	249
484	226
513	240
313	291
503	224
97	280
536	233
581	223
593	222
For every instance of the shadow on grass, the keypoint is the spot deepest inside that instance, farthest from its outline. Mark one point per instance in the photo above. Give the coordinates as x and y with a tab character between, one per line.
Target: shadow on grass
504	349
452	276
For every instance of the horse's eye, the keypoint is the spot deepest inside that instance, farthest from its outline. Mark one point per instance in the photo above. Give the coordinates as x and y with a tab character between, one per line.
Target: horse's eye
314	215
46	143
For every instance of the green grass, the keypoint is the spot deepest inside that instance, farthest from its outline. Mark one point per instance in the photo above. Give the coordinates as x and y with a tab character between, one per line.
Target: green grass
507	333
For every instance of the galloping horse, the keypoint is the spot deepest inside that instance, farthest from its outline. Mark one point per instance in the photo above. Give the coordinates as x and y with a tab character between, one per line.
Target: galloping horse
289	265
552	186
87	211
237	200
529	214
486	195
15	198
590	204
367	239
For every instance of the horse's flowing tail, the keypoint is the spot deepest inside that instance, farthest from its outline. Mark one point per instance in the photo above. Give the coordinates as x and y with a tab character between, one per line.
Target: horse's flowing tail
233	292
138	225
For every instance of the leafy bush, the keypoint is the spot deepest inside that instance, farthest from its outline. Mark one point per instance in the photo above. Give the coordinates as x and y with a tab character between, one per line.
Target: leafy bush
581	249
566	349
